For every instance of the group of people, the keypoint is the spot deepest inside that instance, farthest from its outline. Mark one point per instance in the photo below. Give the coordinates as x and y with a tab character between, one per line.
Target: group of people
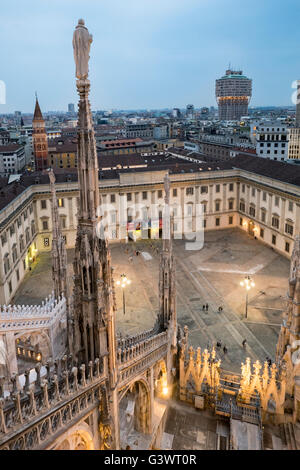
219	346
130	258
269	361
225	350
206	307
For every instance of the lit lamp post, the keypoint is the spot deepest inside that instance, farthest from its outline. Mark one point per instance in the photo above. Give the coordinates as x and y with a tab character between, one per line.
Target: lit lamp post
248	284
123	283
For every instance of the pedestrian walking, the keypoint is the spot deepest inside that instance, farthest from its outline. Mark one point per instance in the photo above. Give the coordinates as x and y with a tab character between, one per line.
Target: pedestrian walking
225	350
219	344
270	362
244	343
203	308
206	307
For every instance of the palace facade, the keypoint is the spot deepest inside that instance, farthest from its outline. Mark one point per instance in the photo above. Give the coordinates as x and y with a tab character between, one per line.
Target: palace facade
265	207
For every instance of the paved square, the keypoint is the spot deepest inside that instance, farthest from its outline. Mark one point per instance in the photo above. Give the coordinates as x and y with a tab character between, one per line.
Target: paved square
211	275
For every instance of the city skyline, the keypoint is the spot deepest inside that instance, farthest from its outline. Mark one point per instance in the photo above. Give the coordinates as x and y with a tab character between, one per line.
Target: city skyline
150	56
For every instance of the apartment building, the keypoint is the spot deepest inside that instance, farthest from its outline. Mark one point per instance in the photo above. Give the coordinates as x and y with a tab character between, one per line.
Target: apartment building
144	130
272	141
12	159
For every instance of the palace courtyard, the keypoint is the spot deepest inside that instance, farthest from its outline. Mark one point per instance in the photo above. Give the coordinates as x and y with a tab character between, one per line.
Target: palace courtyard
210	276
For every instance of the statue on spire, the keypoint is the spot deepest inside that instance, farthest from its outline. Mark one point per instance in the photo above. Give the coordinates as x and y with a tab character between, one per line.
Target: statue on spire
166	215
59	254
82	40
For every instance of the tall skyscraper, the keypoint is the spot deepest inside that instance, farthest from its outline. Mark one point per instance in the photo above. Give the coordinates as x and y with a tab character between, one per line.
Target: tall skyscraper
176	113
39	139
71	108
190	111
233	93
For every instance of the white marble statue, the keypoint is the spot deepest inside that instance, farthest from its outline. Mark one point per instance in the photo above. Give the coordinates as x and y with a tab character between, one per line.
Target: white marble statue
82	40
51	176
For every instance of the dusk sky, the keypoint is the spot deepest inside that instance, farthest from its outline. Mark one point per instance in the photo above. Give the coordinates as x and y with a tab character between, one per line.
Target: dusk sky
148	53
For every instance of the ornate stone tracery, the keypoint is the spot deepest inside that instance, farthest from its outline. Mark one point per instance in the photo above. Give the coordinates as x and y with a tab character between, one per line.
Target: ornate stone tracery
265	382
194	373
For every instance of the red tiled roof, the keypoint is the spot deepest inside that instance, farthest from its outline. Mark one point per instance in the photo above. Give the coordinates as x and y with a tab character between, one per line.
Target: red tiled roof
9	148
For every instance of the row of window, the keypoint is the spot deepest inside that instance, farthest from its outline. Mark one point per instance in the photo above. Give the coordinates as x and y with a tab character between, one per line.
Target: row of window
189	192
189	211
264	198
22	244
204	190
60	202
275	152
275	145
272	129
45	222
18	221
17	275
274	237
289	227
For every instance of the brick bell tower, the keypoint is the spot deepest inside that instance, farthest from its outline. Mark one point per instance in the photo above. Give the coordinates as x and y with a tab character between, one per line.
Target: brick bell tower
39	139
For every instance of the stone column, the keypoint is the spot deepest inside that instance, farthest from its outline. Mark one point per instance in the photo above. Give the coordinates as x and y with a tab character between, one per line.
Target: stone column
282	216
11	354
195	209
224	201
182	215
151	397
247	198
210	199
258	196
122	216
236	206
71	215
269	215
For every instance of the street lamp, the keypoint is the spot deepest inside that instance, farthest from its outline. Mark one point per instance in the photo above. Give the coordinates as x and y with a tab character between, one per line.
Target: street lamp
123	283
248	284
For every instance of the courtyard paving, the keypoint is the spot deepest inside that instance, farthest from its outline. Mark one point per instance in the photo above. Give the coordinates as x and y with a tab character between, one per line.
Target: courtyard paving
211	275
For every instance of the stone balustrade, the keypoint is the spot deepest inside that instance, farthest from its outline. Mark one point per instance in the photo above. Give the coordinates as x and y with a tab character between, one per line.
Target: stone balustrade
28	317
124	343
133	352
61	382
131	370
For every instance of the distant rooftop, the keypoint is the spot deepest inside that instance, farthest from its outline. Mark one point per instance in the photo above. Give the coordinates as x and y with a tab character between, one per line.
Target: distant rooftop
234	74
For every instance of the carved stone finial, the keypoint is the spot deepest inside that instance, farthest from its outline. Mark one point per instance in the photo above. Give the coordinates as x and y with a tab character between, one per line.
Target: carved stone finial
257	367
